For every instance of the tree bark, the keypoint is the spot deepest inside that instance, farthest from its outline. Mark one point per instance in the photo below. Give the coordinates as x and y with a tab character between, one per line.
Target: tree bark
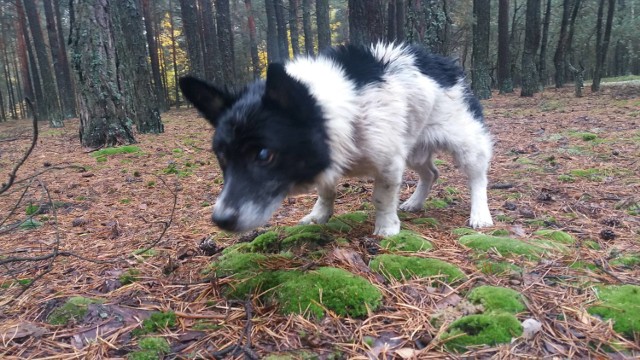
306	27
23	52
153	55
281	27
366	21
401	14
559	58
133	66
192	35
50	103
103	121
273	46
531	44
480	77
174	50
294	26
225	41
602	43
505	83
572	27
323	24
253	43
213	63
542	63
67	98
391	21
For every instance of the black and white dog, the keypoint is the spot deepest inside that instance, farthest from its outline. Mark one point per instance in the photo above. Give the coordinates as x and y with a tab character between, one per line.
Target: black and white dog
352	111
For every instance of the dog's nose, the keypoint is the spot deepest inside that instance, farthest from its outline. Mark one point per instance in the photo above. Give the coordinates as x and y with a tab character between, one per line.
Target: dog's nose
225	220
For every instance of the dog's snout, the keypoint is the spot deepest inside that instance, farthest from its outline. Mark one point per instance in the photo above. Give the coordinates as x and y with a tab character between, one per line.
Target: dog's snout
226	220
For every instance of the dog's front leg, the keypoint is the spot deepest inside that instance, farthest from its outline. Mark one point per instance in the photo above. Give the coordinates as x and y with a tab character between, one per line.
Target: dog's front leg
385	197
323	209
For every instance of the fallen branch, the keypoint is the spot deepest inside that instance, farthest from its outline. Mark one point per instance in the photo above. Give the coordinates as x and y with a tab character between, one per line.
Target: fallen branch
34	141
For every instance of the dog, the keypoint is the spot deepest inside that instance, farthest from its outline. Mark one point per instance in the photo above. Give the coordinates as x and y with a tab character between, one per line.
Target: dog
350	111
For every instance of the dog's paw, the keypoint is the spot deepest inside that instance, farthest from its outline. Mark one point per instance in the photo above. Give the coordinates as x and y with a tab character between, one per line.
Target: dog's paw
387	226
315	219
480	221
410	206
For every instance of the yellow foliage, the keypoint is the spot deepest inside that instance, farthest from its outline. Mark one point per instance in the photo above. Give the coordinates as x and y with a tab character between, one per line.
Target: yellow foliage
166	48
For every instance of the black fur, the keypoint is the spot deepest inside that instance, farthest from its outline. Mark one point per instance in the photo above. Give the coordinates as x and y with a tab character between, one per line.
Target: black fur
359	64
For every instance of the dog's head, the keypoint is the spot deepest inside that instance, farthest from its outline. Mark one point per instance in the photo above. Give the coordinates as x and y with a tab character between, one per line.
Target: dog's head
269	139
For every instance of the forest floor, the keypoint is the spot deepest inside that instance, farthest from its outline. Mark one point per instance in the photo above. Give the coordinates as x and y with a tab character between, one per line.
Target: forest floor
75	226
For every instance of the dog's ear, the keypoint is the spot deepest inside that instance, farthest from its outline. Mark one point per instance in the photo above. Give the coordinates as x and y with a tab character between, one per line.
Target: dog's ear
208	99
281	89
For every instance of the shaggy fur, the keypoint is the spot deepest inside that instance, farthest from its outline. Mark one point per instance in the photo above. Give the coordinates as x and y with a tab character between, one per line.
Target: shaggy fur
348	112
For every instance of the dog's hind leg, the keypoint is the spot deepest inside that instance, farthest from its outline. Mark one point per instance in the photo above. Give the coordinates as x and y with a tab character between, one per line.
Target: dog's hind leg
385	197
323	209
475	164
428	175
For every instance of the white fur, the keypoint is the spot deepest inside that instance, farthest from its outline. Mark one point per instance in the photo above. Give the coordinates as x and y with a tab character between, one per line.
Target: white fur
383	127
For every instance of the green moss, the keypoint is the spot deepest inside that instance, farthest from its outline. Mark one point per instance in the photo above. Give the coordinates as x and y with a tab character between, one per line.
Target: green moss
492	267
579	265
503	245
556	235
293	355
238	263
157	321
128	277
32	209
497	299
484	329
267	242
357	217
102	154
305	238
73	310
145	253
588	136
300	229
338	226
499	232
406	241
430	222
30	224
628	260
202	325
152	348
622	305
436	204
504	218
399	267
463	231
592	244
338	290
590	174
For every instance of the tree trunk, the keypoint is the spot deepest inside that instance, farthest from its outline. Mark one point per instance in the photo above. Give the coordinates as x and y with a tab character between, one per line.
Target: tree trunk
323	24
18	89
23	56
391	21
225	41
531	44
542	65
480	77
67	99
174	50
133	66
50	103
602	43
281	27
273	46
103	121
212	63
505	84
366	21
192	35
66	68
294	26
401	13
572	23
306	27
153	55
559	59
253	42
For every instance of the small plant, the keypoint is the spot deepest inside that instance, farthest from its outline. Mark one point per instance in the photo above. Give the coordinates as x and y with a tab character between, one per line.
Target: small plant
30	224
566	178
32	209
125	201
157	321
102	154
151	348
151	184
588	136
128	277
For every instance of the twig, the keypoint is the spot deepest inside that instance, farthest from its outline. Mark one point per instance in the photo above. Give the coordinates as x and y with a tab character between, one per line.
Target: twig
26	188
166	224
34	141
239	346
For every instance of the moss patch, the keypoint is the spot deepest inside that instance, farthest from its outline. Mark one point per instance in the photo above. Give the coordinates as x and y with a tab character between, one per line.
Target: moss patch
102	154
344	223
556	235
406	241
491	267
622	305
399	267
484	329
151	348
73	310
335	289
430	222
155	322
463	231
503	245
628	260
497	299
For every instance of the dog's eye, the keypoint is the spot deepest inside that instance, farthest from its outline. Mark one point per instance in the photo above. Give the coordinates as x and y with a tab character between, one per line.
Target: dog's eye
265	156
